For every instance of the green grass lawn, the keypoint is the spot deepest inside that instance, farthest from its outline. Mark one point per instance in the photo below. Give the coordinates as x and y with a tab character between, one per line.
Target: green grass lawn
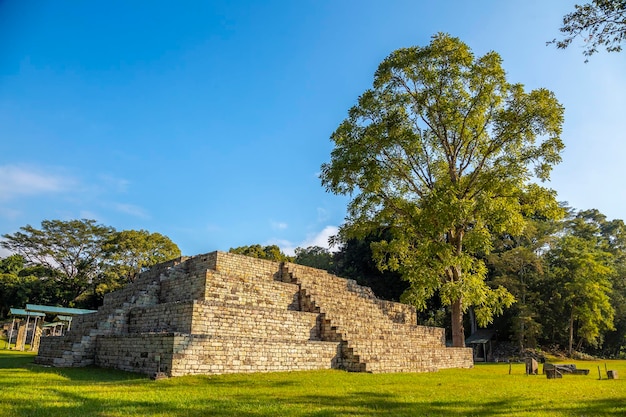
486	390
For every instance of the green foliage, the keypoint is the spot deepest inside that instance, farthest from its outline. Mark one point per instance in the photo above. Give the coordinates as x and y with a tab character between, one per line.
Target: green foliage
517	263
584	263
441	152
583	272
601	23
12	264
315	257
270	252
355	260
129	252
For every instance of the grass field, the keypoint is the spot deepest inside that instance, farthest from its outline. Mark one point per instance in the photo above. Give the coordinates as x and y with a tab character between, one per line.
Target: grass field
486	390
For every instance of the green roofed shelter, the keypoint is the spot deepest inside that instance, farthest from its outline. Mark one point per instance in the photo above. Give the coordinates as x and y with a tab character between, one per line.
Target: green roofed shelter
38	312
64	311
20	312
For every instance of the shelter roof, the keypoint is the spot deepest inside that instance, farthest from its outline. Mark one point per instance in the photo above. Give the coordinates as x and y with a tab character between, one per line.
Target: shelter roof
481	336
24	313
58	310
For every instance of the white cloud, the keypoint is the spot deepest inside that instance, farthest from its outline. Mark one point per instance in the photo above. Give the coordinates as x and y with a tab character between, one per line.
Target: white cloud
321	238
23	181
5	252
314	239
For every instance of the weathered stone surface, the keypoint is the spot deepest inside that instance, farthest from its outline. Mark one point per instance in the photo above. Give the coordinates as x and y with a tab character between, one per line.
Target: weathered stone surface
225	313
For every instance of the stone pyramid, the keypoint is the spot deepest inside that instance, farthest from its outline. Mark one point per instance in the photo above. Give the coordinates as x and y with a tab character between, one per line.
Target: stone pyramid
226	313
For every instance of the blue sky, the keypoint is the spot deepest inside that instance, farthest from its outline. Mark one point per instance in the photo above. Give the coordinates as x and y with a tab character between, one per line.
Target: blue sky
207	121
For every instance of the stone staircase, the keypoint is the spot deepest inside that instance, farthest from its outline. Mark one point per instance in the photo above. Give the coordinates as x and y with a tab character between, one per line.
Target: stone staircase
380	343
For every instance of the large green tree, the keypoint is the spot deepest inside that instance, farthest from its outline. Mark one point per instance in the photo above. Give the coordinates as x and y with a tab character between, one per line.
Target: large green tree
73	247
75	262
440	151
583	273
607	237
128	252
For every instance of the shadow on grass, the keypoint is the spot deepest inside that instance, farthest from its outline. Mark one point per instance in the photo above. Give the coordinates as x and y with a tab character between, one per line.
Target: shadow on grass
106	392
13	359
89	374
355	404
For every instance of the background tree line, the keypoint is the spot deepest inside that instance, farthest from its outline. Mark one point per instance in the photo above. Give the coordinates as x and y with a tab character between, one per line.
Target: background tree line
74	263
568	276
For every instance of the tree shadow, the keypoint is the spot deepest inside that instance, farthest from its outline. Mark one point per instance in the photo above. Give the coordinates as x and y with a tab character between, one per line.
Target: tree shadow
106	392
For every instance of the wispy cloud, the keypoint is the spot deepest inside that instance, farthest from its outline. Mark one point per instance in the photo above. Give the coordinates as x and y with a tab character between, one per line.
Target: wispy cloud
279	225
87	214
115	184
19	181
9	213
130	209
322	214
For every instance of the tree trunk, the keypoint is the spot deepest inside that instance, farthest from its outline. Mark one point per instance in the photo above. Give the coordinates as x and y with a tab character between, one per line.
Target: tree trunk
571	332
458	334
472	318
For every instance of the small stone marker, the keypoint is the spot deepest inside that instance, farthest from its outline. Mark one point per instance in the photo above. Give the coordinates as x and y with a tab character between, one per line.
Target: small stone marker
532	367
611	374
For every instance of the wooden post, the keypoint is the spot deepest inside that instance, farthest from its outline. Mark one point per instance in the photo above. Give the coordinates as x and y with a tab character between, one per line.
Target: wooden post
11	333
599	373
23	346
32	336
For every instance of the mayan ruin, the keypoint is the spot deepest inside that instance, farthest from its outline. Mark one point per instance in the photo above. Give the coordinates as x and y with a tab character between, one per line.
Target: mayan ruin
224	313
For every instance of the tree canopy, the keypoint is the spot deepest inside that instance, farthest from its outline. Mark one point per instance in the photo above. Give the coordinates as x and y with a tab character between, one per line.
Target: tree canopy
442	151
74	248
128	252
601	23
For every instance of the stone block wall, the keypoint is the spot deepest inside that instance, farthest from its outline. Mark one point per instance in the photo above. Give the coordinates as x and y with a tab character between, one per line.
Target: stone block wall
224	313
255	322
204	354
167	317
